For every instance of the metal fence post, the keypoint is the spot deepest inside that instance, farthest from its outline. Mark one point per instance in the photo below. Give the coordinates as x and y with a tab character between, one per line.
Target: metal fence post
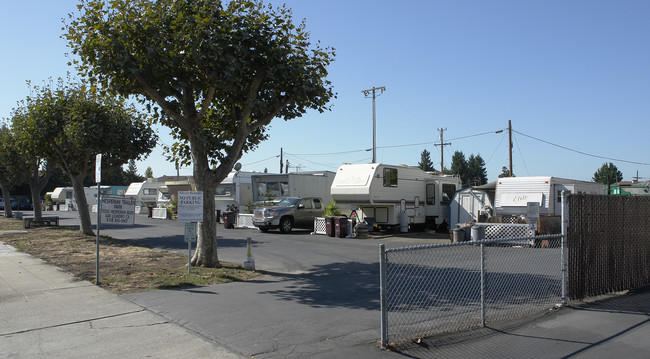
382	294
482	284
563	247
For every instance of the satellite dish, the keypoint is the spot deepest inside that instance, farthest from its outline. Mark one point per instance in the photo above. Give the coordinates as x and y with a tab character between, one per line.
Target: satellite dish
237	166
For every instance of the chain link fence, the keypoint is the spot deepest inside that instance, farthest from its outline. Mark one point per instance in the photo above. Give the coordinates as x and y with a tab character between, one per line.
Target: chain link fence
435	289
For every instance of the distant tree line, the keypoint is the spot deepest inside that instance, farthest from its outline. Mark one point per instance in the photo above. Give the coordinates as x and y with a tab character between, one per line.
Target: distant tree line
471	170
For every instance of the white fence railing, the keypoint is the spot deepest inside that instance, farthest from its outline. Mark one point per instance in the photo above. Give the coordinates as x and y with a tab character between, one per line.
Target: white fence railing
508	230
320	226
244	221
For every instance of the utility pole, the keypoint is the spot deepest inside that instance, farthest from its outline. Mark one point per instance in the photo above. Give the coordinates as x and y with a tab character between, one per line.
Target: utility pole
510	147
442	145
374	122
280	159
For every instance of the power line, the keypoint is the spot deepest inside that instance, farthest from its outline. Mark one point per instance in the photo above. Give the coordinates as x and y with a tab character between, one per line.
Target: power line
264	160
582	153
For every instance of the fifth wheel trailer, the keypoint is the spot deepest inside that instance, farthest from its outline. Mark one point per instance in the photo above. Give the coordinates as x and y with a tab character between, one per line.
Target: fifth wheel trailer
390	196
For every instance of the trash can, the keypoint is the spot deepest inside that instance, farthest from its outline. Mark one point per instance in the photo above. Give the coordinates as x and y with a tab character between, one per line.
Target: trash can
341	226
229	219
478	233
457	235
329	226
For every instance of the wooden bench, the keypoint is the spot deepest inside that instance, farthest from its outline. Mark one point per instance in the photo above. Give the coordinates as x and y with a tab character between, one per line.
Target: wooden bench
49	220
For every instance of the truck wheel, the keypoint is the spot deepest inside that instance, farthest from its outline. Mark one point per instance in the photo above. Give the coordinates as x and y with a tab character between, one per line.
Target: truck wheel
286	223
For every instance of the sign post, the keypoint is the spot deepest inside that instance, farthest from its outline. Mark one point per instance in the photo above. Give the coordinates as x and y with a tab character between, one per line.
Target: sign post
190	211
190	236
98	179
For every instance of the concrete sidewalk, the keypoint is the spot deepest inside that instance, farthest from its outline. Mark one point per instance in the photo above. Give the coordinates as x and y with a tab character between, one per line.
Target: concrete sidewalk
46	313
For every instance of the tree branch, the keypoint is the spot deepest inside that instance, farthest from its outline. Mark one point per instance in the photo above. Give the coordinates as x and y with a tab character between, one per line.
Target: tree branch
205	105
164	105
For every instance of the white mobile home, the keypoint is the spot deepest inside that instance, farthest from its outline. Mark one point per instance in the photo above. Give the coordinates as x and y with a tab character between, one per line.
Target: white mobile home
389	195
236	189
301	184
514	193
147	194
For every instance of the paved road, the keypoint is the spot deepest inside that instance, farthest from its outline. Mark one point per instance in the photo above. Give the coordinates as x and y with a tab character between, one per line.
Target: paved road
320	295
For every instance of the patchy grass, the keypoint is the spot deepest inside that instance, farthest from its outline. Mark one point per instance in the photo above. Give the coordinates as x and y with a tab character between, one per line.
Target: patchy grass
123	268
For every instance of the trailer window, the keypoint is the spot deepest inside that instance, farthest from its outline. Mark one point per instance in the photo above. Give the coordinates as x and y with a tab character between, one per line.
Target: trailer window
150	191
448	191
390	177
431	193
224	190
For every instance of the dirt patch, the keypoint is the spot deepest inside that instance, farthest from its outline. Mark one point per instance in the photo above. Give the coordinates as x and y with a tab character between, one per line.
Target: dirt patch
123	267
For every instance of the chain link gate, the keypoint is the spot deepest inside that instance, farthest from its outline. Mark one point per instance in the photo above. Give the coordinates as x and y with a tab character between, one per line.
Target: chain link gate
440	288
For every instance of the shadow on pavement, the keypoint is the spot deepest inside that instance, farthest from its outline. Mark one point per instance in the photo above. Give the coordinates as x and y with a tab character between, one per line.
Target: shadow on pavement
350	284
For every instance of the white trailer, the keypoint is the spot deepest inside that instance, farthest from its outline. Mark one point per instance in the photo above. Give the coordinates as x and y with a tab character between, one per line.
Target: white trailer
514	193
146	194
62	194
303	184
236	189
388	196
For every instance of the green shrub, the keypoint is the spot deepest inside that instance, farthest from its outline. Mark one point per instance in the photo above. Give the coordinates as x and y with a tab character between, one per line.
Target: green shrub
332	209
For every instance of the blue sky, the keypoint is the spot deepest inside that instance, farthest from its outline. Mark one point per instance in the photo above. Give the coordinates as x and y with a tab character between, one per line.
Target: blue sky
574	74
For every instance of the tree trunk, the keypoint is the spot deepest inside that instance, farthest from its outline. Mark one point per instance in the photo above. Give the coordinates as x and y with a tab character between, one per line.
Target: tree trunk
206	245
36	200
7	198
82	205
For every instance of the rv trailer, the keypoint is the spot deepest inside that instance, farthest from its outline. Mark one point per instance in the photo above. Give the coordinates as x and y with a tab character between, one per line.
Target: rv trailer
302	184
389	196
147	194
236	189
514	193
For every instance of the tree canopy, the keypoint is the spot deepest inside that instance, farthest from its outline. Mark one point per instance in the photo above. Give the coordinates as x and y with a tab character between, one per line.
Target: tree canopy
71	124
607	174
216	75
471	171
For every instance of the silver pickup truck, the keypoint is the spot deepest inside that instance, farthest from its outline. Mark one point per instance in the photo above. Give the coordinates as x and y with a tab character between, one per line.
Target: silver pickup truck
289	213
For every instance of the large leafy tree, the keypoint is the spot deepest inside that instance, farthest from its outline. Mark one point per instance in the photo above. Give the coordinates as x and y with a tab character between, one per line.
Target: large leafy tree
8	176
71	124
607	174
215	74
30	162
425	163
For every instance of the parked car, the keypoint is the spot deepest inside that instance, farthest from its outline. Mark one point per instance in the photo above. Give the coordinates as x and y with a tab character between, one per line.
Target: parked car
25	204
289	213
2	203
14	203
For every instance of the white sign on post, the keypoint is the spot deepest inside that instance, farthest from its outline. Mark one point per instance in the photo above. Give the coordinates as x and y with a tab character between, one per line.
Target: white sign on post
98	168
190	206
117	210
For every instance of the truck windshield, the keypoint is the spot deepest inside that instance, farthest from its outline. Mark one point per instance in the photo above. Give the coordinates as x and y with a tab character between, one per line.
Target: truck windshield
288	202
